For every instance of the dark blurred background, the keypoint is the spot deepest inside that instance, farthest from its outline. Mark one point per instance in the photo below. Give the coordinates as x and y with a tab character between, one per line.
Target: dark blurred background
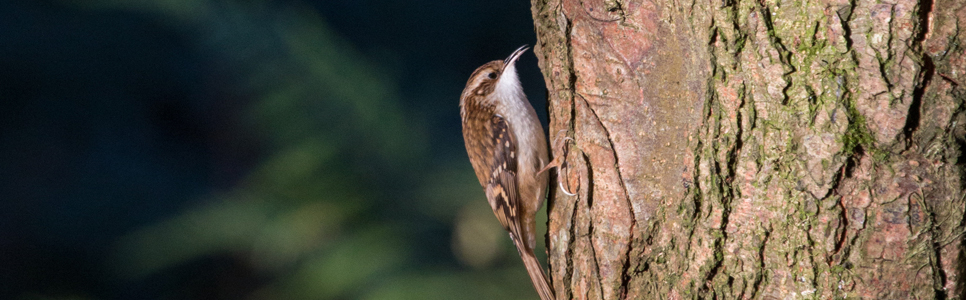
248	149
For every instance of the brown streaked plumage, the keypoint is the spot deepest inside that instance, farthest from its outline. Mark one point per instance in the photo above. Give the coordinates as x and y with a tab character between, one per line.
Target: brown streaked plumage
507	148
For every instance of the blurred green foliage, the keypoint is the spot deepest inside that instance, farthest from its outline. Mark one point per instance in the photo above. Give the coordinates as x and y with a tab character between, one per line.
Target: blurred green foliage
347	203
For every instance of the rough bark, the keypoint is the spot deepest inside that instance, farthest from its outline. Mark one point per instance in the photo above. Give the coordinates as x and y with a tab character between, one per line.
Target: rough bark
741	149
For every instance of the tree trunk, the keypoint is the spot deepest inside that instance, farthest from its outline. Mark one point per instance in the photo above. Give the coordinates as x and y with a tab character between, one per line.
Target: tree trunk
767	149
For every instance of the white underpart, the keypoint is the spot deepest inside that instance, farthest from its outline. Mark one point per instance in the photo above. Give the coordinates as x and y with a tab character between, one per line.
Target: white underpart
523	121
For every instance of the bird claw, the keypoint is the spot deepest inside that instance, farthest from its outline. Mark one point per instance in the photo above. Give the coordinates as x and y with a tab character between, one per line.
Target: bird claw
564	190
558	162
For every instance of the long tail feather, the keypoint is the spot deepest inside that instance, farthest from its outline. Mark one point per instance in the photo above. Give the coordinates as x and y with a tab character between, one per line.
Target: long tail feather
539	279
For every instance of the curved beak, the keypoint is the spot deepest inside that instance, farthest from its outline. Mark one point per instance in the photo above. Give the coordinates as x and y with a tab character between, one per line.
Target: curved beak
510	60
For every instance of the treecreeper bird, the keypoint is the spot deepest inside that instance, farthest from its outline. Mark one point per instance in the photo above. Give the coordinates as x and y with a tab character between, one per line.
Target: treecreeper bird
507	148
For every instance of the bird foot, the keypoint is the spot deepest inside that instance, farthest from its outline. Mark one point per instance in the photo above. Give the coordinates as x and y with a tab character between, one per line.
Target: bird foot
559	162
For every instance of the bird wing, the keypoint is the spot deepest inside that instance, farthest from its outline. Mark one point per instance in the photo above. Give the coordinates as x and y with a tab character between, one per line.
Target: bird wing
501	186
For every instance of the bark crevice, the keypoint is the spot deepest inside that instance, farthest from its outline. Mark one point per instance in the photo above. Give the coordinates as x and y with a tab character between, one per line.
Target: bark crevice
625	195
935	250
590	226
928	69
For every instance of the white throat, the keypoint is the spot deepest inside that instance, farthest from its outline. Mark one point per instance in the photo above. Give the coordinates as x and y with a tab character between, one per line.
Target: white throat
508	86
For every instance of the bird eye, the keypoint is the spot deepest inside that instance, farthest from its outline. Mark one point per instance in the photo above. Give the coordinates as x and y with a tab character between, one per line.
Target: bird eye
492	75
